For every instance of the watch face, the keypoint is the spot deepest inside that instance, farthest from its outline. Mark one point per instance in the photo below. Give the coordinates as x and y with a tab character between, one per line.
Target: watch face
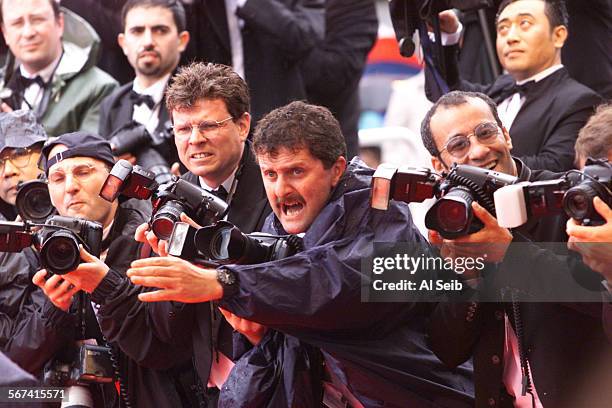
226	277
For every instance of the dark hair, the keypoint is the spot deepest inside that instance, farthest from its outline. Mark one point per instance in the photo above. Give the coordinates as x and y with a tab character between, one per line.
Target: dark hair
175	6
595	138
300	125
451	99
201	80
555	10
54	6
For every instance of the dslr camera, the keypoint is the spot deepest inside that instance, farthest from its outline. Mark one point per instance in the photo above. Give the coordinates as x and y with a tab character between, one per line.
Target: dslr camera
573	193
223	243
169	199
80	365
134	138
455	190
33	201
57	240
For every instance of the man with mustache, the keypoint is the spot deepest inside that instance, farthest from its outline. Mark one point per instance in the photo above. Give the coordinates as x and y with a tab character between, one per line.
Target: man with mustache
55	77
153	39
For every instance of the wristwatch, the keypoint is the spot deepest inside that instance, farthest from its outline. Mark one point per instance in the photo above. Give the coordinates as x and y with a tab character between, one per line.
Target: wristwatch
228	281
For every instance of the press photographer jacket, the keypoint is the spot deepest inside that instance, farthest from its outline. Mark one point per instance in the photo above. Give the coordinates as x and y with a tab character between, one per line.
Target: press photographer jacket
315	296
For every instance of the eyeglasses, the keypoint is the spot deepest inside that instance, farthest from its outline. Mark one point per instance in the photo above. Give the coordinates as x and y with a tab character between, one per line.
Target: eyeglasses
205	128
19	157
459	146
81	173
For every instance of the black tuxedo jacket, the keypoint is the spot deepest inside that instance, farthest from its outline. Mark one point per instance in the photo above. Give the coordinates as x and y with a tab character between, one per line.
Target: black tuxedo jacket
116	111
276	35
546	127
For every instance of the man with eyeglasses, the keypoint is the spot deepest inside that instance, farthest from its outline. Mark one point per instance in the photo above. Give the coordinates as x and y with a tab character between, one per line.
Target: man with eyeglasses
530	352
209	105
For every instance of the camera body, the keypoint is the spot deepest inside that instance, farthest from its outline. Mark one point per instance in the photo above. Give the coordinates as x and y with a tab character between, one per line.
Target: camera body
452	214
134	138
573	193
169	199
33	202
80	365
223	243
57	241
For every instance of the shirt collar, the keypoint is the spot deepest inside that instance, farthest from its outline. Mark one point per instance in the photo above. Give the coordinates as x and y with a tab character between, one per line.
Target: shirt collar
227	184
156	91
542	74
44	73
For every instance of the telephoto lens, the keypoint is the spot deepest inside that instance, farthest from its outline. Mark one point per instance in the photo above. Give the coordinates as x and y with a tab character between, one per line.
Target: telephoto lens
60	253
452	215
163	221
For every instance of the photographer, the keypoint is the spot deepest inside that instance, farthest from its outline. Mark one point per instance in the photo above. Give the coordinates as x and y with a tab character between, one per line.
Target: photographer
373	351
77	164
21	140
530	346
153	39
209	104
593	242
538	102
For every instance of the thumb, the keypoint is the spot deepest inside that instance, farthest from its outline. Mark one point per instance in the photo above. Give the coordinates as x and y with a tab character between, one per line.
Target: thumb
603	209
86	256
483	215
176	169
190	221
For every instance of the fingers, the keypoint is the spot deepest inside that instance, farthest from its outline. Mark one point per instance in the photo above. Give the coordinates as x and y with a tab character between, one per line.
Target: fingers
161	282
188	220
162	248
5	107
602	209
86	256
156	296
175	170
166	261
141	231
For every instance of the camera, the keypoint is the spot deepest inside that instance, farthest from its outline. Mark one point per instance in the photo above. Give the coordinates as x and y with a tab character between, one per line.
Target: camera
135	138
223	243
408	15
79	365
33	202
57	241
573	193
169	199
456	190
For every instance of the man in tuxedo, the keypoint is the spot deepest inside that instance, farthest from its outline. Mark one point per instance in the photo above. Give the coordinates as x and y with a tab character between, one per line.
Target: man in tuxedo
56	77
263	40
538	102
153	39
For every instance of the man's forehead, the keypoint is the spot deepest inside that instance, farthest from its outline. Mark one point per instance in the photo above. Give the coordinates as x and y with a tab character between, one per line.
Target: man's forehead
202	109
450	120
14	9
154	15
286	157
522	7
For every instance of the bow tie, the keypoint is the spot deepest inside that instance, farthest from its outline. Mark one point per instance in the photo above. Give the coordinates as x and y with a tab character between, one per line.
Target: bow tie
221	192
26	82
522	89
139	99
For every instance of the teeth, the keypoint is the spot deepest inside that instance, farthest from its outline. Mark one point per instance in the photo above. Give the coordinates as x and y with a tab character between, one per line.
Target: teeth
200	155
292	208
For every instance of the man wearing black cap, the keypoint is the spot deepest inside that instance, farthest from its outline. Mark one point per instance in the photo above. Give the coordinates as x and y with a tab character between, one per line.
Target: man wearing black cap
76	165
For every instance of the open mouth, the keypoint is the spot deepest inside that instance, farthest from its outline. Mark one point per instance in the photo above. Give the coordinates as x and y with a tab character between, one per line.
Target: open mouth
199	156
291	208
491	165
